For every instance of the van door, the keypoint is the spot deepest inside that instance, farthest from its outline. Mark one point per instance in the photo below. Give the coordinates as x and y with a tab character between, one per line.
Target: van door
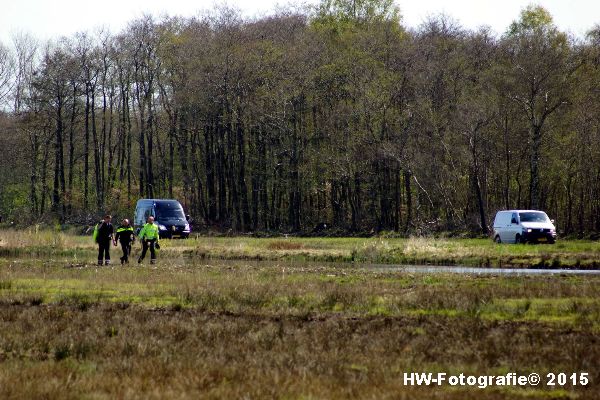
515	227
504	227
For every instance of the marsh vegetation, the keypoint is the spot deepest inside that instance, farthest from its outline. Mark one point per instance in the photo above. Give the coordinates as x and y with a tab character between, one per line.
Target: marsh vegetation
375	250
288	329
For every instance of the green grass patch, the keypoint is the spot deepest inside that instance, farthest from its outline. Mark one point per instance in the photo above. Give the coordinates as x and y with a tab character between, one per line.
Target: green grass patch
433	251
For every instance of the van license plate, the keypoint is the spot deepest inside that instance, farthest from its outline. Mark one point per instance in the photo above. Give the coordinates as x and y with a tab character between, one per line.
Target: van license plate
542	239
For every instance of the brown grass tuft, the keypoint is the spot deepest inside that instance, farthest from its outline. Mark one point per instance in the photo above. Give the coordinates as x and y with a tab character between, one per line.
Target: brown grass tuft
285	245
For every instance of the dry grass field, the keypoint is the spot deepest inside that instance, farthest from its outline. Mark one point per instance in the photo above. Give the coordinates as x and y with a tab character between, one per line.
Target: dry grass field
192	328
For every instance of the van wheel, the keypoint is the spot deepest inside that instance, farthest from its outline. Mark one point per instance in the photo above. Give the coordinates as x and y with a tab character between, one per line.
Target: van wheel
497	239
518	239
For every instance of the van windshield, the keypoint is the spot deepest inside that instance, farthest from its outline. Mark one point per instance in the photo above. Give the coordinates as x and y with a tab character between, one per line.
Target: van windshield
533	217
166	211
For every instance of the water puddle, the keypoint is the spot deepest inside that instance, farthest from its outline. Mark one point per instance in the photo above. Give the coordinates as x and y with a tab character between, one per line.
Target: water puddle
428	269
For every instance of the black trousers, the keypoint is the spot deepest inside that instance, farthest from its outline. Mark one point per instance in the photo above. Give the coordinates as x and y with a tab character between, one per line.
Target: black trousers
148	244
126	247
104	250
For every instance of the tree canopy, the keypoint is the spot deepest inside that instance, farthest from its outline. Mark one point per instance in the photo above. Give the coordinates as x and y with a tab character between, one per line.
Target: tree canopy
335	115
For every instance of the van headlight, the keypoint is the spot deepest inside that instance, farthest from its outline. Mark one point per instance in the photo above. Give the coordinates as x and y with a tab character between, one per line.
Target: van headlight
187	227
162	227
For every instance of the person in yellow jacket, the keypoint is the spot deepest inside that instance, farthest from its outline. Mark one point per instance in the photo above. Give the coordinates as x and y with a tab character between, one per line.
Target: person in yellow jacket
149	237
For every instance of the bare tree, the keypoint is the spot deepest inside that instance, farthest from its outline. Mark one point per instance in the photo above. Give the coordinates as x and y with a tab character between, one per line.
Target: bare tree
6	74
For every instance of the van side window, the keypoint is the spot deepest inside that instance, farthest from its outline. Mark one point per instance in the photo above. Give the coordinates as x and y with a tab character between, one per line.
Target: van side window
514	219
140	217
142	214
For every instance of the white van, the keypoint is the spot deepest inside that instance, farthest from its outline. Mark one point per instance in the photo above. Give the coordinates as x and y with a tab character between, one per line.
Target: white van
522	226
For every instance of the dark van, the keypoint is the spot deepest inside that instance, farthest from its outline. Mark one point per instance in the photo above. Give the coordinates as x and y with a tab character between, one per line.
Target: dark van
168	215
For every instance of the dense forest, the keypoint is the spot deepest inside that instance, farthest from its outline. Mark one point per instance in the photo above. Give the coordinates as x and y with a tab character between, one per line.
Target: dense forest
336	114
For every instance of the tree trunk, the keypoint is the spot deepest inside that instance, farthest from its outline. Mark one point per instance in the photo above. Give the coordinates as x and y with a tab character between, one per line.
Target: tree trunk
86	150
72	150
243	188
33	198
56	194
97	170
534	185
150	138
408	193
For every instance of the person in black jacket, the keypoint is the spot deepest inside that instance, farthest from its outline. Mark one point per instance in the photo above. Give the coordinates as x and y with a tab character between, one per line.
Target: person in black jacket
126	237
104	238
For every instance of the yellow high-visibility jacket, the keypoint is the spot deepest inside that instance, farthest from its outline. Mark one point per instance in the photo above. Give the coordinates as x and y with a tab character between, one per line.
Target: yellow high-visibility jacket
149	232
